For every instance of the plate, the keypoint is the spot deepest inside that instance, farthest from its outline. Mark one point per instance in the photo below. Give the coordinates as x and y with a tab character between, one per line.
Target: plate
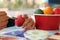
14	31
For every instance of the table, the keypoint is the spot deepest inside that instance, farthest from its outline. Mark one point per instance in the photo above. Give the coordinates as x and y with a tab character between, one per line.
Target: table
15	28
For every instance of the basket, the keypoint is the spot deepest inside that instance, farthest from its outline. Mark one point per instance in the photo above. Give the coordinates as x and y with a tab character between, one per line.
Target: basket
47	22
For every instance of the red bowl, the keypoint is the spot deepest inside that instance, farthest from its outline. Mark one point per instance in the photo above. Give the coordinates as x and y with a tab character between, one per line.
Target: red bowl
47	22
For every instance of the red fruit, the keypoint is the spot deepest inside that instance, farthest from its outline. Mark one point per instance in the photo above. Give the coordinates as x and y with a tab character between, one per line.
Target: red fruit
19	20
56	11
57	33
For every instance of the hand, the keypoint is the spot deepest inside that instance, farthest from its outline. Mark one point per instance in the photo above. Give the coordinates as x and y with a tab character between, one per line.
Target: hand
29	23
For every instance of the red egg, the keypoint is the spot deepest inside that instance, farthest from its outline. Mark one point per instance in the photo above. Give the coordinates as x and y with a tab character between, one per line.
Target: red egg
19	21
57	33
56	11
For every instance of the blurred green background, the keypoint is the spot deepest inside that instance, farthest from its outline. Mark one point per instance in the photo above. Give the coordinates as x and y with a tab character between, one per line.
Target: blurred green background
22	4
17	4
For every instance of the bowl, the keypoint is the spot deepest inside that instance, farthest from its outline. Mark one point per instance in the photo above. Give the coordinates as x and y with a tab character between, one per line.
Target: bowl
47	21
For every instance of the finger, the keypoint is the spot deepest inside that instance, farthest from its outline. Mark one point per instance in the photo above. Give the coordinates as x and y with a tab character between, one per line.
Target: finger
33	26
29	23
29	28
26	22
25	16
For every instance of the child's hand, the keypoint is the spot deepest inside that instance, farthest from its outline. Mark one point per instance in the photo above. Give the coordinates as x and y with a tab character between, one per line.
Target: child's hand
29	23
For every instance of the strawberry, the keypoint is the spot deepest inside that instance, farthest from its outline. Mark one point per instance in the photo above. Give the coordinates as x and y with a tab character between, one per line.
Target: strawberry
19	20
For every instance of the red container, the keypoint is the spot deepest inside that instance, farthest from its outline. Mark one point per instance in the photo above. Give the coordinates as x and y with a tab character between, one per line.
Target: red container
47	22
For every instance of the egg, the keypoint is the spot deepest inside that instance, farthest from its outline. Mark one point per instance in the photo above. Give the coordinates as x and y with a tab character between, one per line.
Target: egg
38	11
